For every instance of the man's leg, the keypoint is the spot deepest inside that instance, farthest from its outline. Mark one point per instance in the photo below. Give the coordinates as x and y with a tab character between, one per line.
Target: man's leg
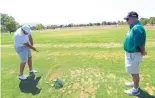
133	69
29	60
23	54
22	66
136	79
30	63
24	59
21	75
135	89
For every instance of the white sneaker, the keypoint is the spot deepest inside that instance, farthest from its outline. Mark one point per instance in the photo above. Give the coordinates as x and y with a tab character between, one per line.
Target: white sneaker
132	92
22	77
33	71
129	84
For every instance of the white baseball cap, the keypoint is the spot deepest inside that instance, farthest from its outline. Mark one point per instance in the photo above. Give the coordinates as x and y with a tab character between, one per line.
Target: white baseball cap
26	28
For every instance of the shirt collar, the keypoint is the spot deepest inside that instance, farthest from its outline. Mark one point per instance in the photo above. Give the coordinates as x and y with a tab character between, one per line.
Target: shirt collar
136	22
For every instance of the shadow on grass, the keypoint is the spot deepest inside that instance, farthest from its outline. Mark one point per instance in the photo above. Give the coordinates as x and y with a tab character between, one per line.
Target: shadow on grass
30	85
144	94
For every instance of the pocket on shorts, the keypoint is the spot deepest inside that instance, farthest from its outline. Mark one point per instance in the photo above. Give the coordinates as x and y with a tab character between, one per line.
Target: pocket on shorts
140	58
130	57
19	49
29	53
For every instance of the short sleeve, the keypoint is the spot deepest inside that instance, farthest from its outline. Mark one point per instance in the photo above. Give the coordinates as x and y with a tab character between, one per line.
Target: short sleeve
139	38
30	32
24	39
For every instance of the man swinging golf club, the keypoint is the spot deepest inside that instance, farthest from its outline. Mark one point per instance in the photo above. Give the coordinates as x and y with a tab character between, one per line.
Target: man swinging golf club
23	42
134	46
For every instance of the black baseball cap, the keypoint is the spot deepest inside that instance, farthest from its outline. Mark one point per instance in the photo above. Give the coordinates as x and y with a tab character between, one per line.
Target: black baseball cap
131	14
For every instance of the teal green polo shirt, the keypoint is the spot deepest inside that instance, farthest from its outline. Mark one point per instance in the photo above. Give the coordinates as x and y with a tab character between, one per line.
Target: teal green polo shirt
135	37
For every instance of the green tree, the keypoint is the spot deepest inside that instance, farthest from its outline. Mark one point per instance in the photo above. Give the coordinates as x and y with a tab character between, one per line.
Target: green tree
33	28
123	23
98	24
8	23
144	21
53	27
104	23
90	24
152	20
39	26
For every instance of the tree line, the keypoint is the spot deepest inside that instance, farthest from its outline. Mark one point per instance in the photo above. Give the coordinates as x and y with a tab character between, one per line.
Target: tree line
8	24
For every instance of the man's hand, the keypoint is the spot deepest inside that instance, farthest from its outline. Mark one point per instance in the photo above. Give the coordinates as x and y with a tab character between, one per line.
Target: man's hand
30	46
143	53
35	49
142	50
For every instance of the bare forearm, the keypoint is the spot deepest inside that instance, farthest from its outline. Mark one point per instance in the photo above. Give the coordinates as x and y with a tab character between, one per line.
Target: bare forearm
31	40
142	50
29	46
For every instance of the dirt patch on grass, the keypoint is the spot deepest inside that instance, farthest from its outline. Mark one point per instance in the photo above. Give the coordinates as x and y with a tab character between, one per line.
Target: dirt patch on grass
150	44
94	54
76	45
6	46
89	80
81	45
111	76
149	88
53	76
82	81
75	85
12	71
85	28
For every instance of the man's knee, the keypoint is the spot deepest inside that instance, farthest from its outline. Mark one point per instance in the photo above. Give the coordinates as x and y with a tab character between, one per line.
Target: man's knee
23	62
30	57
135	75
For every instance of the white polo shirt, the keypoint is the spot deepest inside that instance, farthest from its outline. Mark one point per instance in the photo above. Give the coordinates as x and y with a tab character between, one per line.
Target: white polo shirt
20	38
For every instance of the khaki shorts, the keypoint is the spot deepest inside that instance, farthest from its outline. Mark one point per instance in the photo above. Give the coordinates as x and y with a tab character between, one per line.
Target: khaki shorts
24	53
132	61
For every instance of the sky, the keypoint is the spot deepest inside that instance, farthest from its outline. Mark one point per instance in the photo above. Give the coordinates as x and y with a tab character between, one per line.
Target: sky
74	11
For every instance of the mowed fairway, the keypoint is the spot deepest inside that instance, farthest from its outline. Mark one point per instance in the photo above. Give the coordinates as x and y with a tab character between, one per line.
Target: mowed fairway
89	61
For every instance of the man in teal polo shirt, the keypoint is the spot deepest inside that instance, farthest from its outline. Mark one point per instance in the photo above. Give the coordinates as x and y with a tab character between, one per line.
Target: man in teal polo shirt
134	46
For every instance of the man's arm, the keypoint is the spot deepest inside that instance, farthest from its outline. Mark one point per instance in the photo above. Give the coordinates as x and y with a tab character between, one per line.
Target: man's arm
140	39
142	50
31	39
30	46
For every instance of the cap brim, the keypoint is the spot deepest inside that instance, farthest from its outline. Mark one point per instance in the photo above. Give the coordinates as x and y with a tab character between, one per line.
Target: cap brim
27	31
126	18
